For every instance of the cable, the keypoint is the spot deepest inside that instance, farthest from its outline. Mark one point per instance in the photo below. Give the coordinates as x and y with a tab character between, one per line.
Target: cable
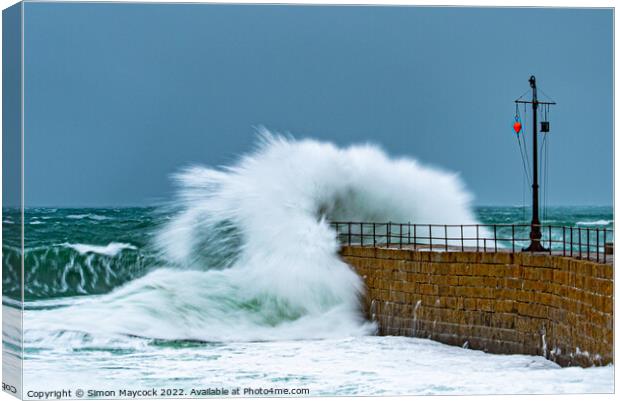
523	176
544	172
527	156
548	151
523	159
524	173
525	170
546	191
541	170
547	145
547	96
519	98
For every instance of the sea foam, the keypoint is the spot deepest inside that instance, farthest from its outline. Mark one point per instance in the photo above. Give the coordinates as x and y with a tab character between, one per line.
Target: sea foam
595	223
111	249
89	216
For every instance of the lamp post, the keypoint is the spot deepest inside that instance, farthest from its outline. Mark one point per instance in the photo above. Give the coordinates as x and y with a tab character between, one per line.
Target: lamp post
535	232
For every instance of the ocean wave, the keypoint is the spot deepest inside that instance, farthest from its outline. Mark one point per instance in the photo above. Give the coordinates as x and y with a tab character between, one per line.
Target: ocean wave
90	216
252	254
53	271
111	249
595	223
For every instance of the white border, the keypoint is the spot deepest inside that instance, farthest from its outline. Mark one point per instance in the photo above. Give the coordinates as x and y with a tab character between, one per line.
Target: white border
476	3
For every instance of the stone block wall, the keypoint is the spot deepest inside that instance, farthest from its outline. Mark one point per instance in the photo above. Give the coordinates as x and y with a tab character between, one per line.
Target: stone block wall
557	307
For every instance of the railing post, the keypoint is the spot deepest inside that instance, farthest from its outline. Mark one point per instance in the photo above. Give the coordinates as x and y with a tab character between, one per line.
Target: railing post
513	238
415	236
374	237
604	244
388	228
409	233
550	243
430	237
588	243
338	234
349	233
477	238
401	236
563	241
571	242
495	236
579	229
484	241
445	231
362	234
462	240
597	247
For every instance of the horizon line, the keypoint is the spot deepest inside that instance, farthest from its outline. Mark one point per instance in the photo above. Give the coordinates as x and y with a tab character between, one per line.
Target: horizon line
163	204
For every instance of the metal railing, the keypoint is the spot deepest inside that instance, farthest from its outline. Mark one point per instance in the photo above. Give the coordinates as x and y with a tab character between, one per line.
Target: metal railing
578	242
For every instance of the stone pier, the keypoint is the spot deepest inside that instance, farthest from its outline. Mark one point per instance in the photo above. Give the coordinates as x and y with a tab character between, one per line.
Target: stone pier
507	303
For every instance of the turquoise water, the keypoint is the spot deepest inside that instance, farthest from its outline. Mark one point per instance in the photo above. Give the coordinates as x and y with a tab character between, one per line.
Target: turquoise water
76	257
60	260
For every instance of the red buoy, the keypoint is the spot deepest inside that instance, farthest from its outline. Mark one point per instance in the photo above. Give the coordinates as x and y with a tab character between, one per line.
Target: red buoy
517	126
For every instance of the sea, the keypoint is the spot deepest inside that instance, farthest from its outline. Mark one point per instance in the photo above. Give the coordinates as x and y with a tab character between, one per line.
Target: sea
80	252
236	288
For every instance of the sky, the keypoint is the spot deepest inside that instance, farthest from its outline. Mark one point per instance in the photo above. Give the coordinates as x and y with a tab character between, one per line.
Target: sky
120	96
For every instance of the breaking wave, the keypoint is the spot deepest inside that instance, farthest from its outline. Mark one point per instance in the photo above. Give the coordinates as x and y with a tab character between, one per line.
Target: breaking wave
89	216
595	223
67	270
252	256
112	249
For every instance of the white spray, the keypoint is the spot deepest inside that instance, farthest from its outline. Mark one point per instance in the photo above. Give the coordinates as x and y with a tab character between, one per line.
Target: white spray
252	254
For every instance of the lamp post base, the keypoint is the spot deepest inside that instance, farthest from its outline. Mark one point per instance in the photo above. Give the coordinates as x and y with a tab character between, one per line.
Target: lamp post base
535	246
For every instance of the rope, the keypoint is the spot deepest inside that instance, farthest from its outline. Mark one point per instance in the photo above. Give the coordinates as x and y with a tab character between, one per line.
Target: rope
525	166
544	169
527	156
523	159
519	98
541	173
547	141
547	96
546	163
523	176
